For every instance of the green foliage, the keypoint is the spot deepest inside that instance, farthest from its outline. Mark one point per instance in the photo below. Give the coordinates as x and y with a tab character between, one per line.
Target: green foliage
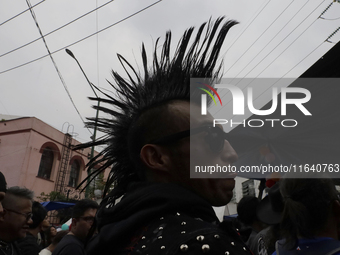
52	196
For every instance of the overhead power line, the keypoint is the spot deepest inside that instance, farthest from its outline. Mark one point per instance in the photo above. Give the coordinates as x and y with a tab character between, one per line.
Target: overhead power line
302	60
34	60
55	30
21	13
288	70
332	34
251	22
284	40
260	36
310	53
293	41
275	36
329	19
54	63
327	8
287	48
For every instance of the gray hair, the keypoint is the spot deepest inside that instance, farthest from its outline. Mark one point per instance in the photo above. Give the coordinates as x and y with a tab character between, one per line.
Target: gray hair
21	192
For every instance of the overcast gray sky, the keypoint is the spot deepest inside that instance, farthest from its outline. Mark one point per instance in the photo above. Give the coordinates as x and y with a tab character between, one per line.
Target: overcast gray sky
274	39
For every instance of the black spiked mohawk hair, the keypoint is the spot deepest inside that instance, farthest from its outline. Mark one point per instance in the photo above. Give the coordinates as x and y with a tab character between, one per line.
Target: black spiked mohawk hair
168	79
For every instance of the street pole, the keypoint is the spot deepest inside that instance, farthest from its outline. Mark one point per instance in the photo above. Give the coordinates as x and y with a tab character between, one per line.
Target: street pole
87	191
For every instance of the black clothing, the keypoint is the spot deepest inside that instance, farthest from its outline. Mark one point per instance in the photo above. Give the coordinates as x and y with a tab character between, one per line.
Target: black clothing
9	248
29	245
3	184
315	246
69	245
162	219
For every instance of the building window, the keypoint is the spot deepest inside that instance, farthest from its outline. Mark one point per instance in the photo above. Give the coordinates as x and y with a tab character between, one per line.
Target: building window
74	174
46	163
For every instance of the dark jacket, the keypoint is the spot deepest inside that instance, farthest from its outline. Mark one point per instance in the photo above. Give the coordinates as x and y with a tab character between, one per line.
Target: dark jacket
162	219
29	245
69	245
9	248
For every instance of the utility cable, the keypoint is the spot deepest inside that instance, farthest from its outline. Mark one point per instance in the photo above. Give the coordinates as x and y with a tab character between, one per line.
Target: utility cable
4	107
280	44
327	8
54	63
295	65
310	53
329	19
55	30
284	40
302	60
332	34
259	37
275	36
327	40
20	13
284	49
34	60
288	71
251	22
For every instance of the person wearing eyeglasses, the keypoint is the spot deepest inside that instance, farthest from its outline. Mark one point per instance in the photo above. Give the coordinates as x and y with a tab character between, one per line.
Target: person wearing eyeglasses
154	127
83	217
30	245
15	219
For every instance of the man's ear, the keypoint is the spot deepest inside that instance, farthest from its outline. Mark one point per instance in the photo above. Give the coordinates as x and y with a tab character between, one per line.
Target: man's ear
155	157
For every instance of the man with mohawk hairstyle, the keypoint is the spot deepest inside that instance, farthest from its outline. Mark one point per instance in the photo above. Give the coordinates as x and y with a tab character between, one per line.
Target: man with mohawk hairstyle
163	210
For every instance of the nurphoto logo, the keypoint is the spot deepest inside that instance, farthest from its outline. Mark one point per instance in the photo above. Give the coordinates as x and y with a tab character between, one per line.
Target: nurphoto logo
241	99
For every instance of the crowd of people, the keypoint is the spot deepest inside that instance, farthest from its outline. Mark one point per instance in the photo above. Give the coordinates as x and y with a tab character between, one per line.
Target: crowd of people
25	229
299	216
155	207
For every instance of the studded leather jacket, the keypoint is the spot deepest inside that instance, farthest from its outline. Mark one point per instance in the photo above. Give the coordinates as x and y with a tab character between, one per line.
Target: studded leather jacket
9	248
163	219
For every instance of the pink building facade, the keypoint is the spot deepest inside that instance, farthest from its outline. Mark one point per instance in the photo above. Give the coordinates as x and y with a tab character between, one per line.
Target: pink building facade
39	157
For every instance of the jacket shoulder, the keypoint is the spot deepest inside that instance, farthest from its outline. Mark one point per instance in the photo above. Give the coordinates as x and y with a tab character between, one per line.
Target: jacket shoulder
178	233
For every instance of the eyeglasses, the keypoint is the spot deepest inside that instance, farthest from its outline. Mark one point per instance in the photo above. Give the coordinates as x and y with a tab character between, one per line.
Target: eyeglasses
88	219
28	215
215	137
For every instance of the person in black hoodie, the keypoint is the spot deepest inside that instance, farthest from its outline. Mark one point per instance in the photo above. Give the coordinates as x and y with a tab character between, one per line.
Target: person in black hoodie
29	244
15	219
83	216
156	125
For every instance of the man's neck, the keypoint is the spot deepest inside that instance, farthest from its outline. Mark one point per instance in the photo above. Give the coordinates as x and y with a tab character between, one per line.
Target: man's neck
77	236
